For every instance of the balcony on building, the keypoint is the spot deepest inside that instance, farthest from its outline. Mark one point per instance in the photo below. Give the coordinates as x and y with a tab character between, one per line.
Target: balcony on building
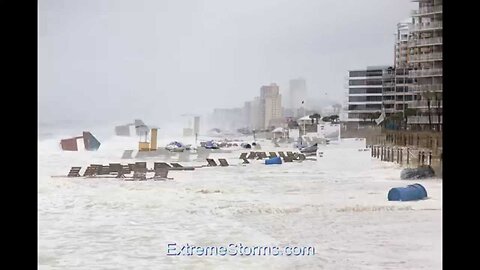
434	56
426	72
418	88
427	27
426	42
424	11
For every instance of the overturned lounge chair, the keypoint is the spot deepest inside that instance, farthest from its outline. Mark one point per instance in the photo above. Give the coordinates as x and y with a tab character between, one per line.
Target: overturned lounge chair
261	155
161	174
178	167
74	172
252	155
119	169
272	155
223	162
140	171
91	170
211	162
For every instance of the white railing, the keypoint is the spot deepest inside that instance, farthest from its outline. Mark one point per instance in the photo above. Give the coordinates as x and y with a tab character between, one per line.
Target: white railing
425	87
426	57
427	10
424	104
426	41
426	72
420	27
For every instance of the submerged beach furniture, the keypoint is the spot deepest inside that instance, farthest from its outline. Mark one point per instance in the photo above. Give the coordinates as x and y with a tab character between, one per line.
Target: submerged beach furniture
410	193
272	155
74	172
417	173
223	162
211	162
274	160
161	174
140	171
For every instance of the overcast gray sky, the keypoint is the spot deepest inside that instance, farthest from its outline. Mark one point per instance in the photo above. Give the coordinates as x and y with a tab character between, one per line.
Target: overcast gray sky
119	59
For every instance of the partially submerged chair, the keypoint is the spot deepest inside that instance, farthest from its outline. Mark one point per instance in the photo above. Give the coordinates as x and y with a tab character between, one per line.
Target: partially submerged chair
223	162
127	154
104	170
74	172
157	165
117	168
211	162
91	170
261	155
176	165
161	174
140	171
272	154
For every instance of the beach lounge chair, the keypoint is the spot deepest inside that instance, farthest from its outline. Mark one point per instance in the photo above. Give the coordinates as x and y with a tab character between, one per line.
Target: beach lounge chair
287	159
157	165
261	155
91	170
176	165
117	168
290	154
211	162
252	155
243	156
223	162
281	154
140	171
161	174
245	161
127	154
104	170
74	172
272	154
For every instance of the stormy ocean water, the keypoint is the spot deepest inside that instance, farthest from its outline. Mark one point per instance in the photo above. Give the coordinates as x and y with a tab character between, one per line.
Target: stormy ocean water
338	204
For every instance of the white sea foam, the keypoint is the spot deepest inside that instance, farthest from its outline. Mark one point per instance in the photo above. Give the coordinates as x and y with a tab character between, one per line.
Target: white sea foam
337	204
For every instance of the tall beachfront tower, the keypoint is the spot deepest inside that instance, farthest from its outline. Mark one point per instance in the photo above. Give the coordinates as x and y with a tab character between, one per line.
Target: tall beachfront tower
271	105
425	59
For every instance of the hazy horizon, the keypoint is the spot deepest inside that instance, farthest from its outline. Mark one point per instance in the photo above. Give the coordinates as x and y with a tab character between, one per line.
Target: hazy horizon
119	60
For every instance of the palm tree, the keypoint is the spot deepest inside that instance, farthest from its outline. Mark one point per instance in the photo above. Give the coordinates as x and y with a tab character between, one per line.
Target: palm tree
315	116
428	95
438	100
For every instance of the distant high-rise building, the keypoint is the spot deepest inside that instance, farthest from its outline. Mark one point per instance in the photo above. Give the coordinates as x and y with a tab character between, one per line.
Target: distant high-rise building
297	93
271	105
401	43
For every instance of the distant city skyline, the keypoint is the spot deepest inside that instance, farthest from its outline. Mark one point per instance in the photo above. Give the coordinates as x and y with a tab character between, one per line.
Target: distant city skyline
116	59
